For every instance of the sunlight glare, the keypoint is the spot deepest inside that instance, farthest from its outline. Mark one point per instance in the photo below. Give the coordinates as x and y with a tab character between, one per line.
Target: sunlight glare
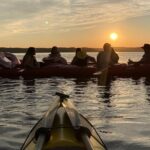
46	22
114	36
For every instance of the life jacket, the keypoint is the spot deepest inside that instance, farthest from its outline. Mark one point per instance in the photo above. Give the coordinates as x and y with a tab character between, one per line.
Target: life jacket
105	59
29	61
54	59
81	62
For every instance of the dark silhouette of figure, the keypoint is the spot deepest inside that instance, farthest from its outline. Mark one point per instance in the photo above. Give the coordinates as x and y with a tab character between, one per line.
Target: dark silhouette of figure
29	60
54	57
82	59
75	57
107	58
146	57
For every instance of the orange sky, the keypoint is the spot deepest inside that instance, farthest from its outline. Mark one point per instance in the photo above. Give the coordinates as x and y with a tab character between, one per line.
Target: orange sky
80	23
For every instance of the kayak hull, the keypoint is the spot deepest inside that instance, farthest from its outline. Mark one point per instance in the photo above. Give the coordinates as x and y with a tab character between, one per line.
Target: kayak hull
71	71
67	71
64	129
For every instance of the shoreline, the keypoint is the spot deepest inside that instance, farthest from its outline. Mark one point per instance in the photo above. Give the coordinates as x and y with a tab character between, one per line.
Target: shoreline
70	50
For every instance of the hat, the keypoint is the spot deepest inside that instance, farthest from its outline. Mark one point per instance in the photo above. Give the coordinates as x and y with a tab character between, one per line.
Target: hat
81	54
146	46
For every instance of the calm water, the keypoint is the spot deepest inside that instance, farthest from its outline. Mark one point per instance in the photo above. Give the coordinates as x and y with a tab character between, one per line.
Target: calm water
120	111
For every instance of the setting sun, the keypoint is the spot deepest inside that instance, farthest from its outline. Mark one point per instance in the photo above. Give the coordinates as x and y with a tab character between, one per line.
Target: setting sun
113	36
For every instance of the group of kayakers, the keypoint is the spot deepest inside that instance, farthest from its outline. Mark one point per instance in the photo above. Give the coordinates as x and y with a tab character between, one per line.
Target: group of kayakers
105	58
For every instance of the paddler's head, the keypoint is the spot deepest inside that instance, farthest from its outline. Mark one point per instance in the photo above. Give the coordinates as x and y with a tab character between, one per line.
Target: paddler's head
81	54
78	50
107	47
146	48
31	51
55	51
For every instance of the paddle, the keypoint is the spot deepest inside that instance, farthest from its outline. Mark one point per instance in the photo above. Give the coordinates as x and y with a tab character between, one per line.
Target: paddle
100	71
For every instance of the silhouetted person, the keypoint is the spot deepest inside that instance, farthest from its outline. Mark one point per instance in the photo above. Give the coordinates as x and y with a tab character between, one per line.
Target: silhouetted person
146	57
82	59
8	60
75	57
54	57
29	60
108	57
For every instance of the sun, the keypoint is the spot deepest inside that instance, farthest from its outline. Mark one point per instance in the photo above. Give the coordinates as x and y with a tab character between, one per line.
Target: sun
114	36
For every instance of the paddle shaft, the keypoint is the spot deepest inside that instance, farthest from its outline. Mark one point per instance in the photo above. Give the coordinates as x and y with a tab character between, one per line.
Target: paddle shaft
100	71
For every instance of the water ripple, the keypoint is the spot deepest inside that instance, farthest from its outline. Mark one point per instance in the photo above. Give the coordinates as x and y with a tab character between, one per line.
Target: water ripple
120	111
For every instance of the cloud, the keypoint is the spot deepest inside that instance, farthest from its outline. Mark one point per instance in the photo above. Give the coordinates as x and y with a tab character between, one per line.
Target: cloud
21	16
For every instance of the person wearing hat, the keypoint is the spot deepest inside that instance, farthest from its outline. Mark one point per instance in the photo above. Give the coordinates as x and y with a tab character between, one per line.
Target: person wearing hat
82	59
54	57
146	57
107	57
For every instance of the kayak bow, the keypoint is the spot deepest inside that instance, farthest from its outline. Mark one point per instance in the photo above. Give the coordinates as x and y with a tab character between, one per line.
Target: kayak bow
63	128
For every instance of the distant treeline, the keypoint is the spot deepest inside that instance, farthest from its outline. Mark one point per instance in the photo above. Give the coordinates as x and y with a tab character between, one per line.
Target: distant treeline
71	49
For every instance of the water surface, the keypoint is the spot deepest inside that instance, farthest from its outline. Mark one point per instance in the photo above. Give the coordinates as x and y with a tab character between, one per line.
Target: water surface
119	110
